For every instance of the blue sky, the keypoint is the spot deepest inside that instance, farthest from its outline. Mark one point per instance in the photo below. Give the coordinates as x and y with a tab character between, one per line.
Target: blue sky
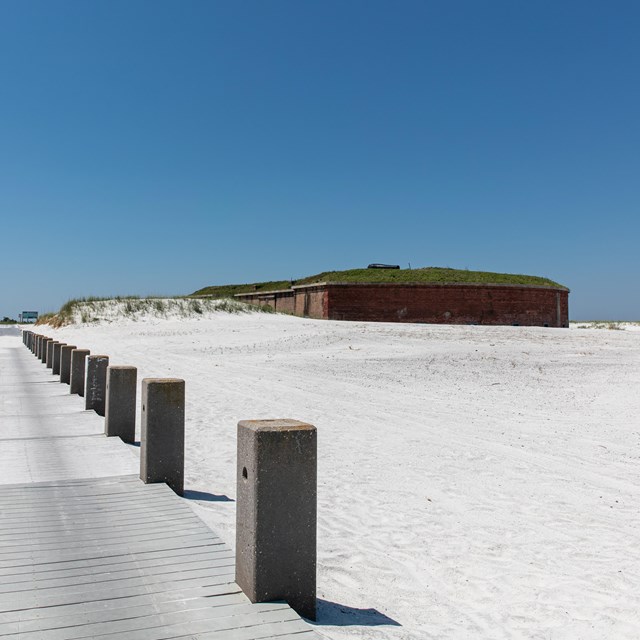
154	147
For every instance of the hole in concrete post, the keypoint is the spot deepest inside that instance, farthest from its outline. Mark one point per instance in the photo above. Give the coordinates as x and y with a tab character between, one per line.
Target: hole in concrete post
275	560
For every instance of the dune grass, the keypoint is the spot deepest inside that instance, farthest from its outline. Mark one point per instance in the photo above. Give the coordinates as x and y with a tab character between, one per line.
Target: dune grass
93	309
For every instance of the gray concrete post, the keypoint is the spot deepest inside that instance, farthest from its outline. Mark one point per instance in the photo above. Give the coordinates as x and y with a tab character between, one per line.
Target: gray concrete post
43	351
38	343
96	383
120	406
276	513
162	432
55	365
49	360
43	341
65	362
78	366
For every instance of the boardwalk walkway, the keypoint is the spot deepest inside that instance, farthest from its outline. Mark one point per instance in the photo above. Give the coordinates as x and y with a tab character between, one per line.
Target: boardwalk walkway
86	549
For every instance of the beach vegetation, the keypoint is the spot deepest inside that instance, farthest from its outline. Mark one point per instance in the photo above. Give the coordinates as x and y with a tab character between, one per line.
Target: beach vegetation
426	275
94	309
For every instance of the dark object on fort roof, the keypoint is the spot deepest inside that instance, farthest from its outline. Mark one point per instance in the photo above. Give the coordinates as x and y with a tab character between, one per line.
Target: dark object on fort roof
378	265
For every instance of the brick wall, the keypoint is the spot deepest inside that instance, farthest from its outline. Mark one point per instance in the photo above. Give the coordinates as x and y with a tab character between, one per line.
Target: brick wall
450	304
311	302
437	304
281	301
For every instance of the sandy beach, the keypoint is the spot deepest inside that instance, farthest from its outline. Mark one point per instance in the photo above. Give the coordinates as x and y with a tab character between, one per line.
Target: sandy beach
474	482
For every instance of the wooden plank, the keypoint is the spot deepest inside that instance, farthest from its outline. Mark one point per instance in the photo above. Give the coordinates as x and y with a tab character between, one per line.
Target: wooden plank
37	573
141	551
256	632
167	572
197	540
185	595
270	620
167	622
58	538
210	553
36	599
12	526
91	543
67	617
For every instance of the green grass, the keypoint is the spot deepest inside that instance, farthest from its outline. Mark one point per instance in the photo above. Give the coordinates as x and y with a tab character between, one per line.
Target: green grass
433	275
230	290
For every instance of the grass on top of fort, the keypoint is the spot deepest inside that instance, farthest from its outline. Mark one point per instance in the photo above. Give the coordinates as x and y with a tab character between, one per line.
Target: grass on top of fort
426	275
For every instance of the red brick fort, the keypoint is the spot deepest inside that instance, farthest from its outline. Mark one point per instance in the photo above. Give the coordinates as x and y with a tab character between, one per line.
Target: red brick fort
492	304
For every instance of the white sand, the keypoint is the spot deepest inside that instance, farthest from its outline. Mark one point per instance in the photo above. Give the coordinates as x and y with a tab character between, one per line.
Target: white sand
474	482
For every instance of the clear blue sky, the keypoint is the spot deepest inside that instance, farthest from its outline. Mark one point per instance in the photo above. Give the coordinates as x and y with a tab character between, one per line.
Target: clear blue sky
154	147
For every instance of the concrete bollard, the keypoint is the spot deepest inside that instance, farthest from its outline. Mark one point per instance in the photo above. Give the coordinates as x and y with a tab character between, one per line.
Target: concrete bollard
162	432
43	352
65	362
276	513
41	349
55	365
50	346
38	343
78	366
95	383
120	406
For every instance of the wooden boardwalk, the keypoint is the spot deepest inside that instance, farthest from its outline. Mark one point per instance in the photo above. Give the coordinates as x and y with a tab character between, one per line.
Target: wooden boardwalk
105	556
